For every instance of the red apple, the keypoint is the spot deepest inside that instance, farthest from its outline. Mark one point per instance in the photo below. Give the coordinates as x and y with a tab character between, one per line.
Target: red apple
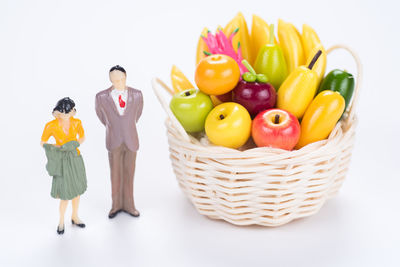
276	128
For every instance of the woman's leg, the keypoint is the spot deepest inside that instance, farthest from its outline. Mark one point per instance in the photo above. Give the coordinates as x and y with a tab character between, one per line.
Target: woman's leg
63	208
75	206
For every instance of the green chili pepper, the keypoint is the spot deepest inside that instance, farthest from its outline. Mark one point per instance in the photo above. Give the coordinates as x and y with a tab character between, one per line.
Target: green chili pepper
339	81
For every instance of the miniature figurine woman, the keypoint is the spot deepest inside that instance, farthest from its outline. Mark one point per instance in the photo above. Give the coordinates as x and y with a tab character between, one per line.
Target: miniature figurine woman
64	161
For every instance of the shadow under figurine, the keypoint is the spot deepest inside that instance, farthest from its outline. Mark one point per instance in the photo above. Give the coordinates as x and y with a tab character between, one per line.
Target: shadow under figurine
119	108
64	161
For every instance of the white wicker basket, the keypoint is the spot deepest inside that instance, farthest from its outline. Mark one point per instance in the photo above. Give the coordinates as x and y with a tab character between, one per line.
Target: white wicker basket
263	186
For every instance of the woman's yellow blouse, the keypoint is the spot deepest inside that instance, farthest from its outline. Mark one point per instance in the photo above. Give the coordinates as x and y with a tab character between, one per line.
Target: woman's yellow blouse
54	128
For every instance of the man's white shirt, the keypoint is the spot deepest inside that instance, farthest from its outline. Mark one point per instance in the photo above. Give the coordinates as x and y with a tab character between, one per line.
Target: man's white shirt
124	96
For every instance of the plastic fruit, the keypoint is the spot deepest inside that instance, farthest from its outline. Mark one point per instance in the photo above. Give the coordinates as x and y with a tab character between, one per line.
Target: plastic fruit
242	39
271	62
228	125
290	41
339	81
309	40
320	65
254	93
299	88
260	34
179	80
217	74
191	108
220	44
321	117
201	46
276	128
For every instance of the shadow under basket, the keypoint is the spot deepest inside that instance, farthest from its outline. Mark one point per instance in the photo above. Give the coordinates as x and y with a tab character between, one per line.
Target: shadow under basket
260	186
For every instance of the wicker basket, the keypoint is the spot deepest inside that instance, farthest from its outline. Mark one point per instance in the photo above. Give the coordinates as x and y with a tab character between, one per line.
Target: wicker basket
263	186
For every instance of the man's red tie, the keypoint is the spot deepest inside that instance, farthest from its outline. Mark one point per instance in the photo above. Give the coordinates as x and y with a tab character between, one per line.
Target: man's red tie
121	102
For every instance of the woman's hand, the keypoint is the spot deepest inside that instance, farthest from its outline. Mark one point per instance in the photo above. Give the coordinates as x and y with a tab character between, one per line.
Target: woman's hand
42	143
81	140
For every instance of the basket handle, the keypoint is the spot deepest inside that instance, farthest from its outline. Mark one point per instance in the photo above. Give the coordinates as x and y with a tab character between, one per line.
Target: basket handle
354	100
157	84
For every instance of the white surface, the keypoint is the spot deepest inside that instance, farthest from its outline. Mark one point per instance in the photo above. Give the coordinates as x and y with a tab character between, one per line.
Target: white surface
51	49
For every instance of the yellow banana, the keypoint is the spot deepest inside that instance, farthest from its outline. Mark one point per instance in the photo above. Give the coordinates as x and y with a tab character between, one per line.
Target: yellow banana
179	80
309	39
241	37
259	35
290	42
320	65
201	46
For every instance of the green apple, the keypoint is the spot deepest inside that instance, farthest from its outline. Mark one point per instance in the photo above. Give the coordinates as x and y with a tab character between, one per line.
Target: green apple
191	108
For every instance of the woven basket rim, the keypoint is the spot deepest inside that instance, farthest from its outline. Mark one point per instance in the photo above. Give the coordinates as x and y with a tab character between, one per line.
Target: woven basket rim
342	127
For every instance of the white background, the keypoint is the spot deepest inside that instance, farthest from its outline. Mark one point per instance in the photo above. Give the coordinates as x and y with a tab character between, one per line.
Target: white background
51	49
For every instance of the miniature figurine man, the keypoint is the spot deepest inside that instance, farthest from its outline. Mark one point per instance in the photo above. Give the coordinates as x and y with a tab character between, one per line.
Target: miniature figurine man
119	109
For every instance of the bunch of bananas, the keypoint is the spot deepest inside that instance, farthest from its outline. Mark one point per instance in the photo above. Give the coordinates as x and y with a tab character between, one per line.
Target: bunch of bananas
298	49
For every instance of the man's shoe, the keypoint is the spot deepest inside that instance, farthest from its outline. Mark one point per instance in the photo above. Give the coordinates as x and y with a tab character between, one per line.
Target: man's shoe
134	213
113	214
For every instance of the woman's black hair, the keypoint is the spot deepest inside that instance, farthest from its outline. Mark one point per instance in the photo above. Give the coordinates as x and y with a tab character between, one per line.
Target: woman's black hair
118	67
65	105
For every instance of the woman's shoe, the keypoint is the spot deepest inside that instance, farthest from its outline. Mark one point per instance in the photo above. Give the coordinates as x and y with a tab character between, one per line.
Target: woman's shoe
60	231
81	225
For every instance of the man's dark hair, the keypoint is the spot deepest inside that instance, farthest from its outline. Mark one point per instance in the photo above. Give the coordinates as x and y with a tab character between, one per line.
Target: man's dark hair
118	67
65	105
